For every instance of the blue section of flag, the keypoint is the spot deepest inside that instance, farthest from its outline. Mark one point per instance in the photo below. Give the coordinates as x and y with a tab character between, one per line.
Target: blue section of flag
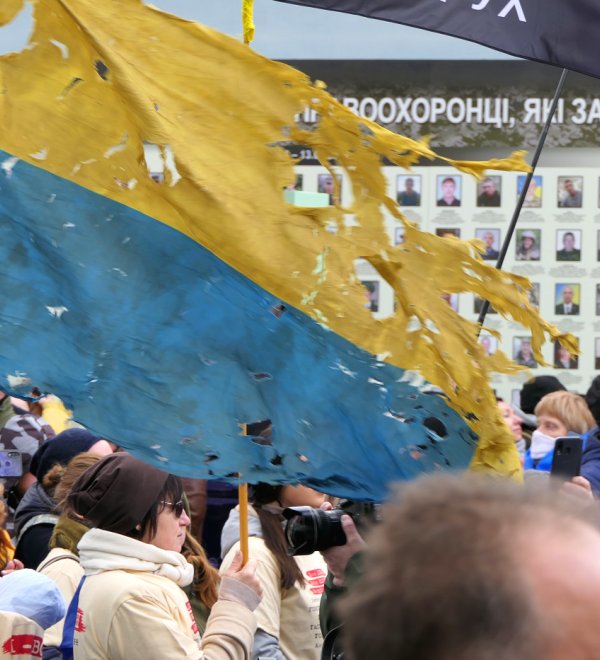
161	347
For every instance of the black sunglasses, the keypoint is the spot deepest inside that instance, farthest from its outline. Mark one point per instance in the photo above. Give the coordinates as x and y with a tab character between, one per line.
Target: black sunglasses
177	507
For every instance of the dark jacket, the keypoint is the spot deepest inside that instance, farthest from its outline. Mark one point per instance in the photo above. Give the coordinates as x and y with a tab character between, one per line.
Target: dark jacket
328	616
33	544
590	460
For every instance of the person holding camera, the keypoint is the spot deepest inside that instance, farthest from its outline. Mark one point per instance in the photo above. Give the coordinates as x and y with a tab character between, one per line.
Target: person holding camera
288	617
344	569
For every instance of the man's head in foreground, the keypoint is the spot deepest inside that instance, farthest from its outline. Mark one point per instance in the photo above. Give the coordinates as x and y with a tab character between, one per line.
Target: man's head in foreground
473	570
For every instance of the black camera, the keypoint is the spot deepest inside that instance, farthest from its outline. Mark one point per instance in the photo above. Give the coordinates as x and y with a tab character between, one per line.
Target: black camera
310	530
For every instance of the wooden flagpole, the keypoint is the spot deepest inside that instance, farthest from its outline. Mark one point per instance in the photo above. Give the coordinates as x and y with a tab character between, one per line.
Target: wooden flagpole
248	26
243	508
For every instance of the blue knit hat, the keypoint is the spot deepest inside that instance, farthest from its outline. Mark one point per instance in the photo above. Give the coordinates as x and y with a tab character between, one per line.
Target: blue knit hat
60	450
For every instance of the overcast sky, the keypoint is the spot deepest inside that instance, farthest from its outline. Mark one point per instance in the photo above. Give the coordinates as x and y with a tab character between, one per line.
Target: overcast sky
289	32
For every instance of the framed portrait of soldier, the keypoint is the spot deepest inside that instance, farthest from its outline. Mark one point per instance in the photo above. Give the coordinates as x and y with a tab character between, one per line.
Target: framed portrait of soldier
570	192
398	235
489	192
563	359
529	242
598	245
447	232
449	190
568	245
523	352
567	299
533	197
372	295
297	185
408	189
597	299
489	344
597	364
451	299
478	305
325	184
491	239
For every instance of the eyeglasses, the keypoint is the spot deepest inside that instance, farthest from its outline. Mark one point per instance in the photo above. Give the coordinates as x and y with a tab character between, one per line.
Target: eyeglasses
177	507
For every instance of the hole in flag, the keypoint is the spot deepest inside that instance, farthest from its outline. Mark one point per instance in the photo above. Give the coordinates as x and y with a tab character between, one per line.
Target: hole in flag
435	425
261	433
261	376
102	69
277	310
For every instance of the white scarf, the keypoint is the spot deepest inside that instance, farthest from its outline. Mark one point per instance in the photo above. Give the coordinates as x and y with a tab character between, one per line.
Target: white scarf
540	445
101	551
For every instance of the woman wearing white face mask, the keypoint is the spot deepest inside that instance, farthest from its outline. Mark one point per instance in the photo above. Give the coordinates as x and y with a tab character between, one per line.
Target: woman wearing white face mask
558	414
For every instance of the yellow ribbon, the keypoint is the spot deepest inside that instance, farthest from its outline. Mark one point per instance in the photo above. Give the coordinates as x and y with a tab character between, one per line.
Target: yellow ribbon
248	20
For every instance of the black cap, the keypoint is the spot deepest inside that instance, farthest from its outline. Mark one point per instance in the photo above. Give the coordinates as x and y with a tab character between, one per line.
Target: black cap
536	389
592	398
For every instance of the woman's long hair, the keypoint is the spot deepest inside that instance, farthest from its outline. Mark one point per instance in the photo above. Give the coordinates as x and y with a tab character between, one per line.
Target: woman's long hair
274	535
206	577
3	513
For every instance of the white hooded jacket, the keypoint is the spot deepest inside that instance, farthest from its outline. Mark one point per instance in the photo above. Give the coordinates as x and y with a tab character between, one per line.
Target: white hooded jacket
131	606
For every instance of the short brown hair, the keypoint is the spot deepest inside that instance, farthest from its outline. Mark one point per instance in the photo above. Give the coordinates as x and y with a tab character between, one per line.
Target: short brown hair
571	409
444	577
63	477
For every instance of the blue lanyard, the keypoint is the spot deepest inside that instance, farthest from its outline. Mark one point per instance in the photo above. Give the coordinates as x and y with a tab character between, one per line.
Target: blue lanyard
66	646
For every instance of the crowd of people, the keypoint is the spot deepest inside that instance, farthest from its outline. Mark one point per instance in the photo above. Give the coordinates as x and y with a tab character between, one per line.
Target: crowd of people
456	569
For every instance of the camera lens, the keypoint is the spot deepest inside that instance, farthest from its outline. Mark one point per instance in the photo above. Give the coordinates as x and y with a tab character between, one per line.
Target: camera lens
309	530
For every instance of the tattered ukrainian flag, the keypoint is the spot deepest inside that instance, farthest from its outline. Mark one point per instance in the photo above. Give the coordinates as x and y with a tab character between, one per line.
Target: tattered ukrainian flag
168	315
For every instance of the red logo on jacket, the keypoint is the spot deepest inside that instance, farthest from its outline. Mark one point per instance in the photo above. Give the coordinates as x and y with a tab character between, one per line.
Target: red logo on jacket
79	625
30	645
191	611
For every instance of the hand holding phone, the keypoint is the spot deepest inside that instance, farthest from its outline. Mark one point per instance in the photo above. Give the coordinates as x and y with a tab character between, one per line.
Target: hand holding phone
566	462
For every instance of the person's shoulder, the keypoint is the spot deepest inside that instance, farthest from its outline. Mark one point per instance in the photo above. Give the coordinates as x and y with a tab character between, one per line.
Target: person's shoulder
591	449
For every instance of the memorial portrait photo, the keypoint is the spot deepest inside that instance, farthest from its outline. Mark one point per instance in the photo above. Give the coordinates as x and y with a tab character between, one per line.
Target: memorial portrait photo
449	190
447	232
523	353
528	244
568	245
372	295
489	192
325	184
408	190
570	192
451	299
489	344
533	199
491	238
567	299
563	359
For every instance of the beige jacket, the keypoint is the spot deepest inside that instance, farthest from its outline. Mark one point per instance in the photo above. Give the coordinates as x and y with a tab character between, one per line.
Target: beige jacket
290	616
131	606
62	567
20	637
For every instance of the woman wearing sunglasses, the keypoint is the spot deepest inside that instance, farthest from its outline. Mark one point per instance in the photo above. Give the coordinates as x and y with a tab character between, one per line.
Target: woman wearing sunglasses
130	603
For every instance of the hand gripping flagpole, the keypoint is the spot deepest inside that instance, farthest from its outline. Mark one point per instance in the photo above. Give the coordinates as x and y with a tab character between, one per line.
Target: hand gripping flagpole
517	213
